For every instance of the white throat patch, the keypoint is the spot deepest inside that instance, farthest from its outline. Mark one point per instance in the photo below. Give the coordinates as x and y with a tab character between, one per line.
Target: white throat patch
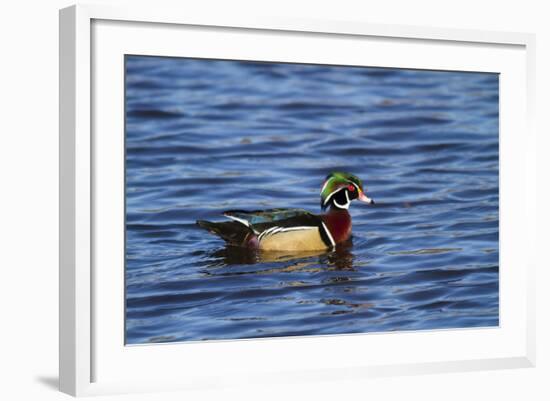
346	206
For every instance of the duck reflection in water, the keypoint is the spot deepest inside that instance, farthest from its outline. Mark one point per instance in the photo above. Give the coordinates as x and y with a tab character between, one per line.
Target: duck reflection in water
340	258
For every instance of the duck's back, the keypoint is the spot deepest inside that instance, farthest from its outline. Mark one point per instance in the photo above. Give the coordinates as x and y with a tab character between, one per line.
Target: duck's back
273	230
285	229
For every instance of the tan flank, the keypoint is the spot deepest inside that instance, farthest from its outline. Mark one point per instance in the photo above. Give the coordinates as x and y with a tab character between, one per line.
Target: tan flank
295	240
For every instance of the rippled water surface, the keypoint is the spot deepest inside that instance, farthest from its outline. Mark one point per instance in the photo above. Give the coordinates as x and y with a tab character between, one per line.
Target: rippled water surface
205	136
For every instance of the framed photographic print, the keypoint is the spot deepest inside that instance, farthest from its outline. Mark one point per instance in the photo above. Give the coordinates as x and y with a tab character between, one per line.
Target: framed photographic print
275	199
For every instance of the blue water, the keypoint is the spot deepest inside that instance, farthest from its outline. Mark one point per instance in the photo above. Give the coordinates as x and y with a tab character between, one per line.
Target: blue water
205	136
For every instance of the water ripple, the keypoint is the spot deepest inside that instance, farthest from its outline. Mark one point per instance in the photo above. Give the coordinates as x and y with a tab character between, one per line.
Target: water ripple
205	136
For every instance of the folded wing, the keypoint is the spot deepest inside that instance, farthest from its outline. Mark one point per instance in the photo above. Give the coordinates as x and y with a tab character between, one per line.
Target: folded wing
273	229
254	217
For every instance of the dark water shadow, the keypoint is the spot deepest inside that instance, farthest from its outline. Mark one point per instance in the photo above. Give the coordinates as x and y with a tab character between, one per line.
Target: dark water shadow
340	258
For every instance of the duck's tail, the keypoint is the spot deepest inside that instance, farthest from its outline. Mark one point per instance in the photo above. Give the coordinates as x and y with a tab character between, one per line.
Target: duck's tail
232	232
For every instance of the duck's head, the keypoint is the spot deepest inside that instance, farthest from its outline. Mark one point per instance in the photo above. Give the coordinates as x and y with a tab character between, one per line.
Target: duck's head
339	189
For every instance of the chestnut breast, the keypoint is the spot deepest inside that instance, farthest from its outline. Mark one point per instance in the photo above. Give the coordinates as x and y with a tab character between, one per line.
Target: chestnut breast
338	223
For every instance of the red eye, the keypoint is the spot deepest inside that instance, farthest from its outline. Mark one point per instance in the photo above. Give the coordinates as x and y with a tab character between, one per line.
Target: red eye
351	188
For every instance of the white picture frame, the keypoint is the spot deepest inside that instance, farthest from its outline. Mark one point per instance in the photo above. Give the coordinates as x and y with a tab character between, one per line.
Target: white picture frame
91	358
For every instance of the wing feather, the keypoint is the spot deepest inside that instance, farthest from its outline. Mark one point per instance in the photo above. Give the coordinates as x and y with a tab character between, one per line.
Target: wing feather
253	217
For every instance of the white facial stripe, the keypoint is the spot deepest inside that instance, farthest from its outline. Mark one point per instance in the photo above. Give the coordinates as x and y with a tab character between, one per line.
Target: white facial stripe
346	206
356	186
332	193
336	191
326	183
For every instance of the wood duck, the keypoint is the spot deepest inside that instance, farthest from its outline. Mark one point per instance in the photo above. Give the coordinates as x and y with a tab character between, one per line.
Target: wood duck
295	229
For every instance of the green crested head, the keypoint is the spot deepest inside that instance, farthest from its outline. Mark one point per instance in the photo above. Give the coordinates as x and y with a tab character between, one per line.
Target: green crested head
340	188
